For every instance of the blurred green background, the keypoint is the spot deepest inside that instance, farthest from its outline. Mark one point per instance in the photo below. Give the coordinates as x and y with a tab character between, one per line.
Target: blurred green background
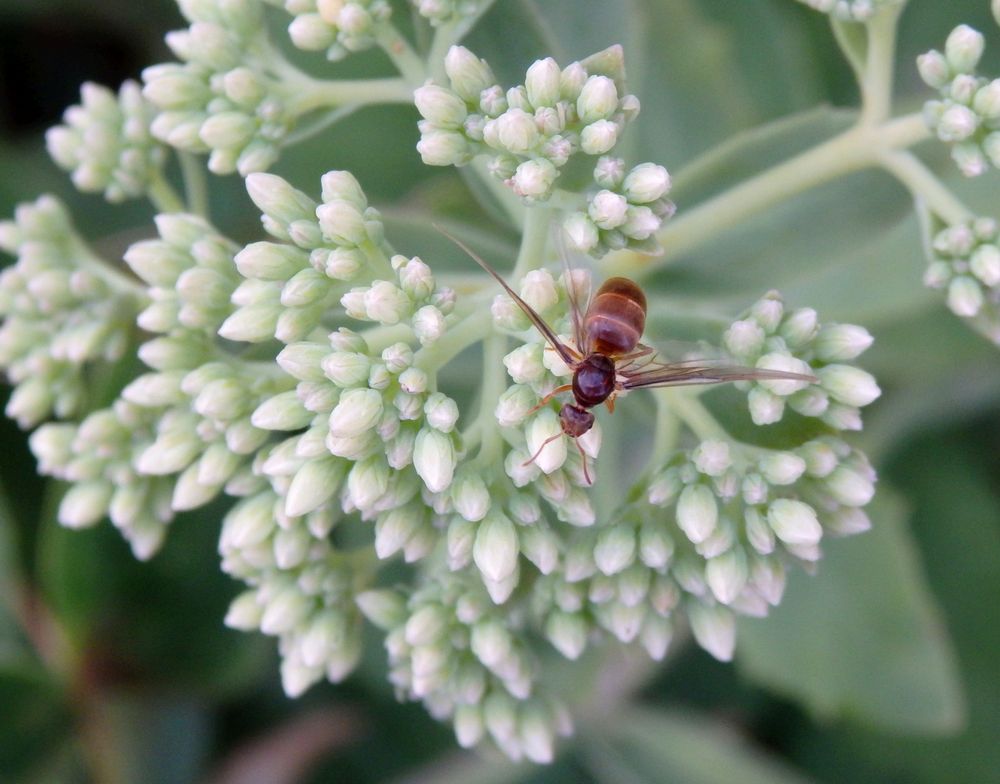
882	668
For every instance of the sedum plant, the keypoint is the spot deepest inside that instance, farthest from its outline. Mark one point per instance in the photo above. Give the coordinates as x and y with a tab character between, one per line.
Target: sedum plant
303	375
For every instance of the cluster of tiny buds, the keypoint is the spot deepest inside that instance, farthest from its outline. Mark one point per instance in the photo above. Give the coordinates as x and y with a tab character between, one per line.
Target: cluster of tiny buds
451	649
968	115
773	338
850	10
626	212
337	27
438	12
61	307
529	131
966	262
106	143
224	98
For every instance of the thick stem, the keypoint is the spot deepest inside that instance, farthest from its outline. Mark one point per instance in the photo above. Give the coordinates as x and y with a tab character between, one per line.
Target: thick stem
876	81
491	440
855	149
459	337
533	241
922	183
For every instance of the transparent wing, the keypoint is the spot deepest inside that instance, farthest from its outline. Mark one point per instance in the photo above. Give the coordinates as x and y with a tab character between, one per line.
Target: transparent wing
579	337
687	372
558	346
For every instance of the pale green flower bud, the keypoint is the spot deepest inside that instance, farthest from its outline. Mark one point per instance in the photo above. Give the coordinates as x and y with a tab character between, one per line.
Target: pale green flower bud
656	548
252	323
615	549
346	369
712	457
284	611
598	99
656	636
303	361
440	106
964	48
428	324
441	412
849	385
85	504
782	468
383	607
541	546
765	408
524	364
545	425
794	522
496	547
664	488
985	264
342	222
276	198
468	75
567	632
799	327
744	338
394	529
640	223
957	123
787	363
427	625
970	159
850	487
848	521
714	628
459	540
358	411
598	137
726	575
470	496
172	451
934	69
965	296
280	412
367	482
646	183
468	723
434	459
533	179
444	148
313	485
542	82
987	101
841	342
581	232
244	612
386	303
697	513
623	622
607	210
538	289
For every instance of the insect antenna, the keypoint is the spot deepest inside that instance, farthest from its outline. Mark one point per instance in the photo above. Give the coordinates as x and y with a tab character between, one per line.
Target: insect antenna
547	332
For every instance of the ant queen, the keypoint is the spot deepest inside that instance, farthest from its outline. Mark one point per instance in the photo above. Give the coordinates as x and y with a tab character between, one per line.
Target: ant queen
609	358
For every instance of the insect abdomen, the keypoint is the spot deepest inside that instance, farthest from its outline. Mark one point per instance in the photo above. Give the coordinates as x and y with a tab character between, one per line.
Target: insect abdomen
616	318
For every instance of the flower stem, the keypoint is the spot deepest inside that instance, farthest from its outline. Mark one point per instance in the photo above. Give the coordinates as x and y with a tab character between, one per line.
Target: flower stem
876	81
310	94
533	241
491	440
922	183
163	196
446	35
409	65
195	186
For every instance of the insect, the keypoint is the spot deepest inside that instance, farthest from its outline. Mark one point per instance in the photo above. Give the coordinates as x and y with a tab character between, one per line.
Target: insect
610	359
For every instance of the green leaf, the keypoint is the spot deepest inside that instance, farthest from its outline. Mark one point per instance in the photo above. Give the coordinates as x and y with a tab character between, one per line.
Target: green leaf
34	720
644	745
863	639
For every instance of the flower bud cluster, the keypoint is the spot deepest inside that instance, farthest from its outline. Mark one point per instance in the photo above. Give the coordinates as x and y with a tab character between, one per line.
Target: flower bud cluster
106	143
183	432
302	590
337	27
224	98
290	285
439	12
530	131
626	212
451	649
968	115
61	307
98	456
966	262
771	337
850	10
735	516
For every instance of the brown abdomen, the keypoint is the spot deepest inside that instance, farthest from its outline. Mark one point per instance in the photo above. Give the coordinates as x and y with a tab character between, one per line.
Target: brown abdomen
616	318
